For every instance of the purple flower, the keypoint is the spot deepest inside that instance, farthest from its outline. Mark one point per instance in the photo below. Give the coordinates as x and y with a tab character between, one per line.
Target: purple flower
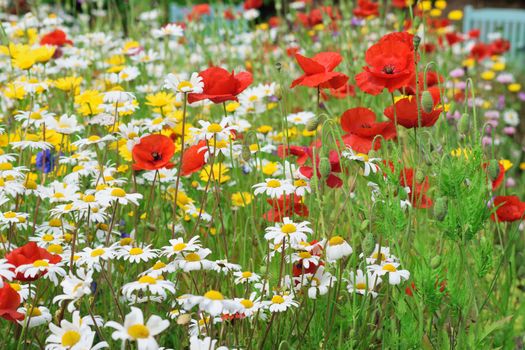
457	73
501	101
510	182
509	130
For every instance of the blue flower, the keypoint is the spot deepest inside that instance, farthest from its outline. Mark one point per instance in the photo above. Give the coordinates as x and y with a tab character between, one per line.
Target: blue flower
45	161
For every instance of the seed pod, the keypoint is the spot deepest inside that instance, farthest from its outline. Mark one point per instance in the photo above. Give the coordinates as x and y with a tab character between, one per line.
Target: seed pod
368	244
441	208
427	102
324	167
246	153
493	169
313	123
464	123
420	176
435	262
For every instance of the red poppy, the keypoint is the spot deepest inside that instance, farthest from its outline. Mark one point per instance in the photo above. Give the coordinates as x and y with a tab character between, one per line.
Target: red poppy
317	15
193	159
301	152
400	4
480	51
9	303
501	175
318	71
285	206
418	191
366	9
331	180
509	208
228	14
56	38
390	64
199	10
474	33
221	85
153	152
499	46
405	111
362	128
252	4
28	254
453	38
343	91
433	79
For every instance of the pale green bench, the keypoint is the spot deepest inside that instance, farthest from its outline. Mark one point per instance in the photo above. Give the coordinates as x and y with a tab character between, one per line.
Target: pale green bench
510	22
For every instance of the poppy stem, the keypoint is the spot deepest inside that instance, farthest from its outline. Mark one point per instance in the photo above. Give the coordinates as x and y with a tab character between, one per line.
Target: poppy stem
179	165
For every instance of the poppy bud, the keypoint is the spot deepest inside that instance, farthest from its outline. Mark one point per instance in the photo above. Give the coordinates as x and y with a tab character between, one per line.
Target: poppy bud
278	91
313	123
427	102
278	66
368	244
416	40
420	177
435	262
324	167
441	208
246	153
493	169
464	123
364	224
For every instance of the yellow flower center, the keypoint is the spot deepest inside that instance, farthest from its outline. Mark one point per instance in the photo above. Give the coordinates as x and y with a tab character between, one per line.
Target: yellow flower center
389	268
70	338
192	257
147	280
58	195
93	138
118	192
361	285
376	255
277	299
16	286
55	249
336	240
6	166
40	263
135	251
247	274
159	265
305	255
138	331
184	85
214	295
55	223
288	228
248	304
299	183
89	198
34	311
48	237
97	252
10	215
179	247
214	127
273	183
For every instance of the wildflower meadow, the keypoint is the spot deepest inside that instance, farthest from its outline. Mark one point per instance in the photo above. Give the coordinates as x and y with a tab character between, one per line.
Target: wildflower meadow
259	175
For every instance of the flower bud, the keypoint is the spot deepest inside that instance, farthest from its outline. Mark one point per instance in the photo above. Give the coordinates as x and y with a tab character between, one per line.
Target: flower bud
493	169
435	262
464	123
278	91
324	167
246	153
441	208
368	244
313	123
416	40
420	177
427	102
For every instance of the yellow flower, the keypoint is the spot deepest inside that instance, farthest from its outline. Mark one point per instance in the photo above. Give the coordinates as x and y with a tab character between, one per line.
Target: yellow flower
498	66
507	164
220	173
264	129
425	5
270	168
455	15
43	54
116	60
130	45
469	62
89	102
24	61
488	75
14	91
241	199
514	87
435	13
68	84
522	166
465	152
440	4
232	106
160	99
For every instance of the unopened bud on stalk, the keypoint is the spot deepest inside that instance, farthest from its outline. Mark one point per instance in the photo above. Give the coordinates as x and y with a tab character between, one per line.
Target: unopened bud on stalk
368	244
278	91
313	123
427	102
324	167
464	123
420	177
493	169
278	66
364	224
246	153
151	227
403	195
416	40
441	208
435	262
